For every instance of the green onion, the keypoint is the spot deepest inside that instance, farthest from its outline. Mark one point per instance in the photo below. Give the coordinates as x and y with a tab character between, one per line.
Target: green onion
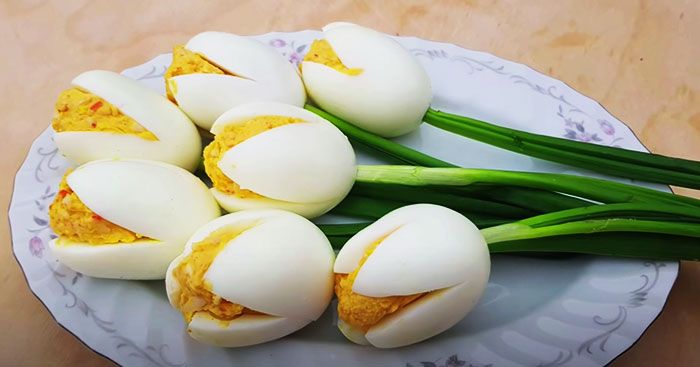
609	211
520	231
373	208
363	207
343	230
413	195
628	221
609	160
628	230
625	210
624	238
620	244
538	200
584	187
377	143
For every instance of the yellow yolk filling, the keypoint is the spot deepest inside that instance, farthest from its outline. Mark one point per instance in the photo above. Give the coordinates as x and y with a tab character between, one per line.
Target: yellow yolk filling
72	220
321	52
187	62
230	137
77	110
363	312
195	295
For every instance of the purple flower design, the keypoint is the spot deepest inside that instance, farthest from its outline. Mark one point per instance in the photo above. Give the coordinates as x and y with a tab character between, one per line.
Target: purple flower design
36	246
581	135
278	43
607	127
451	361
295	58
293	53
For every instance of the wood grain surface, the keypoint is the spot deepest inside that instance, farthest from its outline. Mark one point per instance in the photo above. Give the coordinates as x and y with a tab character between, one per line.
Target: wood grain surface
638	58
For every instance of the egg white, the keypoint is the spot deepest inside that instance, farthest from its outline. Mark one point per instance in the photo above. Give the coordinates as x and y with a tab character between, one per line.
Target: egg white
144	259
158	200
244	331
388	98
280	265
178	141
428	316
232	203
425	248
260	74
286	164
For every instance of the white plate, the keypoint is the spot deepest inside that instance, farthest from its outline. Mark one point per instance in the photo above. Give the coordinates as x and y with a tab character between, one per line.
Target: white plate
579	311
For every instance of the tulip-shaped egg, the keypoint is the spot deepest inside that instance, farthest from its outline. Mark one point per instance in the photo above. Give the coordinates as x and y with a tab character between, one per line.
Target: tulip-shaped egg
107	115
367	78
127	219
411	275
271	155
251	277
216	71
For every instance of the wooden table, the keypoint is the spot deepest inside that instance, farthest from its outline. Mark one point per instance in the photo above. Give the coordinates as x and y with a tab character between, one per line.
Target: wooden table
638	58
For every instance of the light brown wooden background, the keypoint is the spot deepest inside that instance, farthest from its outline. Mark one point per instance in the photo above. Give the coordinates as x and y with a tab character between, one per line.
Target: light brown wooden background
638	58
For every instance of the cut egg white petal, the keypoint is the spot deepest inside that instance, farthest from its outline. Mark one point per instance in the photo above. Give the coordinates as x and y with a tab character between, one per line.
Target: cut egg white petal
434	241
160	201
206	96
82	147
232	203
143	259
248	111
430	315
178	141
150	198
423	249
354	249
242	220
247	58
286	246
259	74
285	164
243	331
279	265
292	163
389	96
354	335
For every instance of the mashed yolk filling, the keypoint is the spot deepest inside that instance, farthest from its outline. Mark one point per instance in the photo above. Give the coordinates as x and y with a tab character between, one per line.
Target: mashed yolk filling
77	110
321	52
187	62
230	137
195	295
363	312
72	220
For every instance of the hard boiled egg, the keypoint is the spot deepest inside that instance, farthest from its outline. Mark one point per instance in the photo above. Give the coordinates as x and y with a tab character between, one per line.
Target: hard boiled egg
216	71
107	115
272	155
411	275
251	277
127	219
367	78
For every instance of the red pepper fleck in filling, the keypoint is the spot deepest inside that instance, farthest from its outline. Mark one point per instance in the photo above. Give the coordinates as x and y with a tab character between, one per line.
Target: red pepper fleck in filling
93	125
96	106
97	217
63	193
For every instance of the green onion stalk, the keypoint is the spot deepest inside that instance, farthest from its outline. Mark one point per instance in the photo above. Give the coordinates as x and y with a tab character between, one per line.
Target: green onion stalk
588	188
531	199
523	211
656	231
604	159
608	160
373	209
